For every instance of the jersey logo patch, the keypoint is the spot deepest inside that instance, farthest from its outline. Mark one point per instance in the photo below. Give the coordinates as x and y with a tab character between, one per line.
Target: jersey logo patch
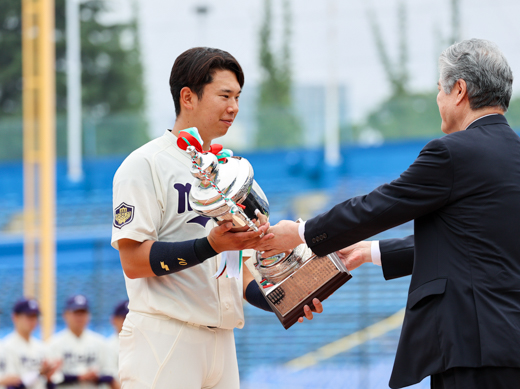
123	215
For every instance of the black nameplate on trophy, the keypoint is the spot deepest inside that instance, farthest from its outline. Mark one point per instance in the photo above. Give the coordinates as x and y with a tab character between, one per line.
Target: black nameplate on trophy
319	277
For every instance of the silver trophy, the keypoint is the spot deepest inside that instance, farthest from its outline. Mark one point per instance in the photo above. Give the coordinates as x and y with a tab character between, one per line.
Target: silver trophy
228	192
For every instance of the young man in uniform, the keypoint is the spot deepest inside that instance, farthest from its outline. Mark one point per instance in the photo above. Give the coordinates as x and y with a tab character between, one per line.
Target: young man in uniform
179	331
83	352
26	356
5	379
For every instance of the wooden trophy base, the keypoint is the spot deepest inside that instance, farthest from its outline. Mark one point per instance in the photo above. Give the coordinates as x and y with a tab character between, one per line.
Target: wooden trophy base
318	277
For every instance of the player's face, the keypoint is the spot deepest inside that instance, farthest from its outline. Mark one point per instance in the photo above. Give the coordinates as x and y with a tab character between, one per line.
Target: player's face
215	112
77	321
25	323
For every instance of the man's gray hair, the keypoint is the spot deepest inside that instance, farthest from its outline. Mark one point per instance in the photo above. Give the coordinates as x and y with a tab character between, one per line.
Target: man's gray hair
482	65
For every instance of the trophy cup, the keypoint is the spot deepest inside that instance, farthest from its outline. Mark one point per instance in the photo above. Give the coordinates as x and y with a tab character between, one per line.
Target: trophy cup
227	191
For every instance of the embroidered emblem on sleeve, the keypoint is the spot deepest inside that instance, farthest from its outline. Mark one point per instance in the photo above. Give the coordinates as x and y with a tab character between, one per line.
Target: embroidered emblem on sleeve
123	215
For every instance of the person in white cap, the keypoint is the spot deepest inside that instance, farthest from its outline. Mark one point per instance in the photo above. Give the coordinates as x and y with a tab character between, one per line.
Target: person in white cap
83	352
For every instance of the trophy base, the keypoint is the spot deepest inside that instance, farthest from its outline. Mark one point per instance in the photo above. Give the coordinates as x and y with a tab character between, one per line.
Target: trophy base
318	277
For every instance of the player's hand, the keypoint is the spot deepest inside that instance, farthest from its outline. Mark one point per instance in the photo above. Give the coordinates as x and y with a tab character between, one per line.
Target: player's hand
282	237
90	375
115	384
221	239
48	368
10	380
318	308
355	255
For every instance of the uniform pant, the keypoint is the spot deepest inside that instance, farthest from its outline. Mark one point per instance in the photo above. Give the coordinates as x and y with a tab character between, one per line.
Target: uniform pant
164	353
477	378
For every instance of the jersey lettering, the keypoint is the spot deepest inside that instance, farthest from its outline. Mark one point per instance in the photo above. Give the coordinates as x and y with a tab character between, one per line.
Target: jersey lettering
184	196
184	202
79	359
30	363
165	267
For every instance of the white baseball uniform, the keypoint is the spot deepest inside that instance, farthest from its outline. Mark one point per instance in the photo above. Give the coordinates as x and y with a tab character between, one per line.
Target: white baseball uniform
79	355
112	343
24	359
3	363
179	329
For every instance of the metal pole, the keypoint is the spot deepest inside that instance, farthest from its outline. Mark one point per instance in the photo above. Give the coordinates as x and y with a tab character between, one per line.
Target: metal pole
47	182
455	21
331	142
74	149
40	154
29	36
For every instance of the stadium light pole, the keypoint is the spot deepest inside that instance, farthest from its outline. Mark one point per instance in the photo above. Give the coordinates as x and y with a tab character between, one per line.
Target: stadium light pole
73	59
39	137
202	12
331	142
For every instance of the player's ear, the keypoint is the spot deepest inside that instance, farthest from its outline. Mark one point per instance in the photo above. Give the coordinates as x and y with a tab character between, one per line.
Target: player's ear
188	98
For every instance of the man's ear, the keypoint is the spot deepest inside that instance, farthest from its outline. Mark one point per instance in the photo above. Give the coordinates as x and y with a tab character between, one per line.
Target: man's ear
462	91
188	98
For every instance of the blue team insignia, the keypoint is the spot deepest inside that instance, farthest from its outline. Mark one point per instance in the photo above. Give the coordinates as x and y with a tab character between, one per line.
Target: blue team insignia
123	215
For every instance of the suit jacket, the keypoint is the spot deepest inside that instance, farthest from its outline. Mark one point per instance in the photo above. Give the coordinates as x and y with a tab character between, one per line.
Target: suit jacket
463	191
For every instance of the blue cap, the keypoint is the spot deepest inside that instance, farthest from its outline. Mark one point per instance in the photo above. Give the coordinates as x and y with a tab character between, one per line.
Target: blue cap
26	306
121	309
77	302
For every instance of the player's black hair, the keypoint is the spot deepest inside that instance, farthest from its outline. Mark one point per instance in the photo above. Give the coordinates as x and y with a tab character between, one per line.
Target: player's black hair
195	68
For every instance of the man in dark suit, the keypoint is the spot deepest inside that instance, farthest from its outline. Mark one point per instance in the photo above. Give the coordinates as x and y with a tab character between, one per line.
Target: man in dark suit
462	321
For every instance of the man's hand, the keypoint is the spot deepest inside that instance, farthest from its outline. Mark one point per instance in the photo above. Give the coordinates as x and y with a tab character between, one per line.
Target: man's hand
221	239
115	384
47	369
282	237
318	308
89	376
356	255
10	380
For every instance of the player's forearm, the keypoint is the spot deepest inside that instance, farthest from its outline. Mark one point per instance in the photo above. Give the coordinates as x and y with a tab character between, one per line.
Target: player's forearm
135	258
149	258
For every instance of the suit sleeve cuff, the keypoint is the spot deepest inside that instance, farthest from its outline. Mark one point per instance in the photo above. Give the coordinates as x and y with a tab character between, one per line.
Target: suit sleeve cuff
375	252
301	231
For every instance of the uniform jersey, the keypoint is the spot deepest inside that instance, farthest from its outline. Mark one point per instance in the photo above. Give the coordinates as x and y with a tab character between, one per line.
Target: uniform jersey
113	355
151	192
3	363
79	355
24	359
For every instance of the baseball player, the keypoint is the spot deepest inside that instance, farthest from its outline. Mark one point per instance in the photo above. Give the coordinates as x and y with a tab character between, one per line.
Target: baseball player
27	358
117	319
5	379
83	352
179	331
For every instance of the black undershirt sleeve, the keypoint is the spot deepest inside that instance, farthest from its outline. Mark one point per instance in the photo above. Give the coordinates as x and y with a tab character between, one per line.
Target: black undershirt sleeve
254	296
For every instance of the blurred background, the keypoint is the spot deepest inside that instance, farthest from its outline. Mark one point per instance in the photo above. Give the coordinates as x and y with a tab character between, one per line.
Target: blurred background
339	98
